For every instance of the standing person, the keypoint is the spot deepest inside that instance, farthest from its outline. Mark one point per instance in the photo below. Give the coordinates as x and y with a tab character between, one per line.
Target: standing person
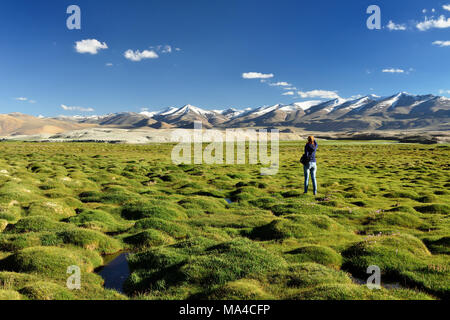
311	166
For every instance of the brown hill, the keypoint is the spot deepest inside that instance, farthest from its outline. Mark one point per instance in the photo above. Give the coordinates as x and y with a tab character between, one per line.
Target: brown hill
14	124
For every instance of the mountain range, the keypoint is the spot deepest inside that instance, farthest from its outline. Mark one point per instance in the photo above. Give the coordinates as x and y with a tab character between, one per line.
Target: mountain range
397	112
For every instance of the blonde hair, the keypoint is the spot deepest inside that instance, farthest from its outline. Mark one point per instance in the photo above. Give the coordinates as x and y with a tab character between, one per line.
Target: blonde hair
311	139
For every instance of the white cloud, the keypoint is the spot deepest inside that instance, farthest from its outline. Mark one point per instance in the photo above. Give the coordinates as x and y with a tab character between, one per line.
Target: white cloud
397	27
319	94
139	55
164	48
288	93
91	46
257	75
67	108
424	11
280	84
442	43
167	49
109	64
446	7
392	70
441	23
24	99
444	91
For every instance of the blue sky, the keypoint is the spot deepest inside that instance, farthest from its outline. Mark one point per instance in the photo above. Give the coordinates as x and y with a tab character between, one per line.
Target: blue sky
320	48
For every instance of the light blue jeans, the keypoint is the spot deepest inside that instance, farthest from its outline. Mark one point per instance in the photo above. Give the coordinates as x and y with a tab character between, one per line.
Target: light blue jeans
310	168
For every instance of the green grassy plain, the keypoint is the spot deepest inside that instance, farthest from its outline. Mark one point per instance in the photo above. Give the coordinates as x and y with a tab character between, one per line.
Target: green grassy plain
379	203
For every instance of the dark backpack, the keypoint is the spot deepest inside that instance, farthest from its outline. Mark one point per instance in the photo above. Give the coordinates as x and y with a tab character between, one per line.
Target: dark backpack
304	160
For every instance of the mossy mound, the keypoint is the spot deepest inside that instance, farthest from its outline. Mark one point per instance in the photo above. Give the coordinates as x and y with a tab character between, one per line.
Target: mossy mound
91	240
205	204
297	226
115	195
172	228
432	278
318	254
39	224
434	208
9	295
292	194
46	291
50	261
263	203
392	254
164	257
390	261
243	289
402	258
151	209
337	291
3	224
216	265
14	191
407	209
194	245
306	275
400	219
17	242
438	244
246	194
230	261
10	211
149	238
427	198
402	194
98	220
158	258
50	209
14	280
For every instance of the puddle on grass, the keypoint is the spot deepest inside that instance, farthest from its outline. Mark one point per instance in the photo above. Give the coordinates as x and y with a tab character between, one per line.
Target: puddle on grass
115	271
228	200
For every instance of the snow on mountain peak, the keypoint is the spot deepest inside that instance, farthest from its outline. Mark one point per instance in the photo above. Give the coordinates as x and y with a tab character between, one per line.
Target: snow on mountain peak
148	113
305	105
168	111
265	109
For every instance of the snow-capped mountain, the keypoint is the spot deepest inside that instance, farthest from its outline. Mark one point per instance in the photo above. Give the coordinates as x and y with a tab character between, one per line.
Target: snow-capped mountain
402	110
337	108
188	114
231	113
401	103
323	108
148	113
